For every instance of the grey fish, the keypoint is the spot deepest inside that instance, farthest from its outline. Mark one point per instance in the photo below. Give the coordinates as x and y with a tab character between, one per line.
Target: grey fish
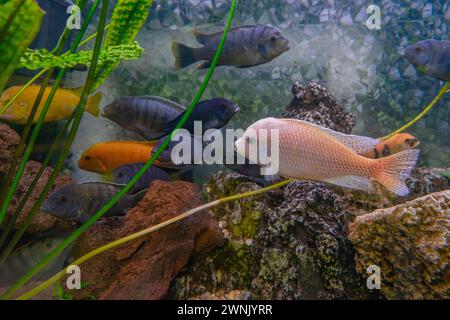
22	259
213	113
125	173
145	115
430	57
77	202
245	46
194	144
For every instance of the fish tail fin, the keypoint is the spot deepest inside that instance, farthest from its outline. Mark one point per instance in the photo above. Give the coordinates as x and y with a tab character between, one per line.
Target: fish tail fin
93	104
393	170
183	54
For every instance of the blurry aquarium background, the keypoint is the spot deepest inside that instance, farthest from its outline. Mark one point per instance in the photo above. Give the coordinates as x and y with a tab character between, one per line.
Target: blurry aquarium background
329	43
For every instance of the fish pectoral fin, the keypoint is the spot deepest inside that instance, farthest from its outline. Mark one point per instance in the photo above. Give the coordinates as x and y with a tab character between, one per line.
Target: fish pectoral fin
358	144
350	181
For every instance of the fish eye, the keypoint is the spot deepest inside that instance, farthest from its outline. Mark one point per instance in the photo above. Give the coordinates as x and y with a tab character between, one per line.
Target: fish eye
418	50
273	39
87	158
120	175
62	200
407	140
250	139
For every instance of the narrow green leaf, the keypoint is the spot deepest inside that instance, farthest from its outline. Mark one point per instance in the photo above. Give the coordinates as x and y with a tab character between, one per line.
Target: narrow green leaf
126	21
19	23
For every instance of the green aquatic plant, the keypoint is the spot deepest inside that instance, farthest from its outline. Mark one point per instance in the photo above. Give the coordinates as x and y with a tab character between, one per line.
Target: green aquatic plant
127	19
19	23
74	127
149	230
30	143
441	93
72	237
42	58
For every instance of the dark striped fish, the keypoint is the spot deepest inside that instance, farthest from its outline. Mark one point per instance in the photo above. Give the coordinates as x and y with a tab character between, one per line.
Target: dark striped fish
77	202
28	255
430	57
181	152
245	46
251	170
145	115
125	173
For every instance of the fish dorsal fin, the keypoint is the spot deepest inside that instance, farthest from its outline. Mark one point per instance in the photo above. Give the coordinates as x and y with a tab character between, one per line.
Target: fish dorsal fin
359	144
168	102
202	37
103	182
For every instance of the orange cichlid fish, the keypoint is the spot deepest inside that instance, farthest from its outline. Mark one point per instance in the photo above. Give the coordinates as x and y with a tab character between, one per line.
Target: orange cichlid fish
103	157
397	143
311	152
62	107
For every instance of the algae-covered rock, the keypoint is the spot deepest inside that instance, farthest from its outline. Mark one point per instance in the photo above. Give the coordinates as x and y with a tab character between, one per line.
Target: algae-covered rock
409	243
288	244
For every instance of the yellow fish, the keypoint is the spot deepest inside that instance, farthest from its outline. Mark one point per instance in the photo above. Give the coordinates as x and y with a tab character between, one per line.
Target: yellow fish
310	152
61	108
396	143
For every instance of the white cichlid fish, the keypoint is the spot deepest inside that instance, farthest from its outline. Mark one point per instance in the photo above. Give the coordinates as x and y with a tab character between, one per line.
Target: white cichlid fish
311	152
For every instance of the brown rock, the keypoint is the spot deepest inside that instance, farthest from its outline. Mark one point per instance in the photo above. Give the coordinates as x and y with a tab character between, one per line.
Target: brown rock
144	268
9	139
409	243
41	221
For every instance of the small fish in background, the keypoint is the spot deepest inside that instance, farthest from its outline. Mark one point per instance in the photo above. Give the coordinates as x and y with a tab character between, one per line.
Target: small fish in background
61	108
145	115
103	157
245	46
25	257
430	57
310	152
78	202
213	113
125	173
397	143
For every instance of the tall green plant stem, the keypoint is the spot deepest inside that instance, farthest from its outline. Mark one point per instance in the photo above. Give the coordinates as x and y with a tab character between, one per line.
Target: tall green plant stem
55	252
33	184
420	115
147	231
33	138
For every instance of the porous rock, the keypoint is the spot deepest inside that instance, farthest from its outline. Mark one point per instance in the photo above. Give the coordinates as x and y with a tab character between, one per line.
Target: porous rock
144	268
409	243
313	103
287	244
9	140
